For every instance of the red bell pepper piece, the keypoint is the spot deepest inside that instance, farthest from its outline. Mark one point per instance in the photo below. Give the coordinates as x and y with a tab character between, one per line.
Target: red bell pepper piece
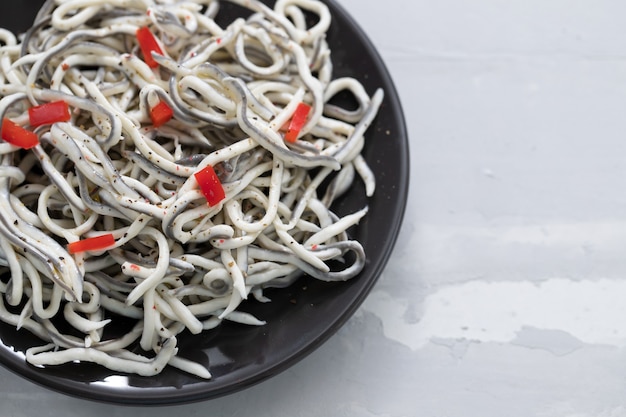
210	185
297	122
17	135
92	243
48	113
148	44
161	114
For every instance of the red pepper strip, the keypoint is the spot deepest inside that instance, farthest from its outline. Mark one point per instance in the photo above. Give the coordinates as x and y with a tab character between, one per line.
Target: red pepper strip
297	122
210	185
17	135
91	243
161	114
148	44
48	113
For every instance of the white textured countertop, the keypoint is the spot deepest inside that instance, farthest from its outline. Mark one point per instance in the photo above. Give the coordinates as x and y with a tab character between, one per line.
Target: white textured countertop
505	294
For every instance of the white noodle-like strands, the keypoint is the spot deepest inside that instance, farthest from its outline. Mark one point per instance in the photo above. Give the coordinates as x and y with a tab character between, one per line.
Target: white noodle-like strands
44	355
177	263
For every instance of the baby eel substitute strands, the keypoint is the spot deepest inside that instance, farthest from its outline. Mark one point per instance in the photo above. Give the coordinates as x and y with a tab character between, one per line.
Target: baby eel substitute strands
160	168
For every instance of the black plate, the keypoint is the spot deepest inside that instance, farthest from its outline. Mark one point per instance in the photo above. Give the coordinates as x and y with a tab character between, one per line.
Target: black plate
300	318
